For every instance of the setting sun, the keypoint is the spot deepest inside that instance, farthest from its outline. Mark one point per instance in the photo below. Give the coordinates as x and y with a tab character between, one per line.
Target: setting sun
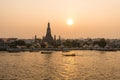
70	22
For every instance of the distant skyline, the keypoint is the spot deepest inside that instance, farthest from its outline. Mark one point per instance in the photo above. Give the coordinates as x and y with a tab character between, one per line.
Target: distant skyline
92	18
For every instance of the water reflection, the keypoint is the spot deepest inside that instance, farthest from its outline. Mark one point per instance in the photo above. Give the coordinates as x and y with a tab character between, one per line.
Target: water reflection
69	67
87	65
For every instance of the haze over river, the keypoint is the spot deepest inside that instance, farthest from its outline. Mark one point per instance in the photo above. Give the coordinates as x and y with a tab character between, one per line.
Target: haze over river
87	65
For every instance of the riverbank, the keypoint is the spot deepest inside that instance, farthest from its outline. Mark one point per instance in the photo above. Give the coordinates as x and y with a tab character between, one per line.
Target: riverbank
58	49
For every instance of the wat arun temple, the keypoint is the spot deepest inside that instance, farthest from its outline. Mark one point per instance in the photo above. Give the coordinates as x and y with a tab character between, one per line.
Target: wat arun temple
49	38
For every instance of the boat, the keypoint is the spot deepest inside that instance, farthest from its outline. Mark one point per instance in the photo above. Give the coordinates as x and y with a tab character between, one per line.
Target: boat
69	54
46	52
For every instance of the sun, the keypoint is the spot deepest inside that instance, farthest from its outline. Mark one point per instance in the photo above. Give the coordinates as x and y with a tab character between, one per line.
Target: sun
70	22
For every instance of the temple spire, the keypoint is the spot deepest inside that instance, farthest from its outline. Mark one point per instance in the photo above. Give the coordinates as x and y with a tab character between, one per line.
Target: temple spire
48	25
48	38
48	30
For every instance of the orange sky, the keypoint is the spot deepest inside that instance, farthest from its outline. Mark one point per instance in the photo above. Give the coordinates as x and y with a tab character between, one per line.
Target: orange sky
92	18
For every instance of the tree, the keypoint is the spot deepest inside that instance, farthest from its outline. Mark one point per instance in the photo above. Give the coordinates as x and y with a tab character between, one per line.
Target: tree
75	43
67	43
102	43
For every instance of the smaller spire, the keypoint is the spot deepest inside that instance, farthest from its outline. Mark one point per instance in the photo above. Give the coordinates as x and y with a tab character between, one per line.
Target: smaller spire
55	37
59	37
35	38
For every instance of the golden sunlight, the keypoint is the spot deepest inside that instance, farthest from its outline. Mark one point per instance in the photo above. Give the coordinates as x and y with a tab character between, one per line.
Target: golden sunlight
70	22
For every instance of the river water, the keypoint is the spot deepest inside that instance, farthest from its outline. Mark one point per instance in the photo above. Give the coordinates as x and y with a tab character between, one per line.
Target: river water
87	65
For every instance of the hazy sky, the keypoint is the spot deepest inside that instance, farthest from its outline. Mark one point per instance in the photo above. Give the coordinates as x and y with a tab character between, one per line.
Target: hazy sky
92	18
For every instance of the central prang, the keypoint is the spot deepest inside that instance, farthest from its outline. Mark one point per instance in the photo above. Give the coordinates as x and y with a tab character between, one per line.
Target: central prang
48	38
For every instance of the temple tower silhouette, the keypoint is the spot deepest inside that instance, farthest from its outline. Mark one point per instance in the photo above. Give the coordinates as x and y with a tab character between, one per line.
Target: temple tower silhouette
48	38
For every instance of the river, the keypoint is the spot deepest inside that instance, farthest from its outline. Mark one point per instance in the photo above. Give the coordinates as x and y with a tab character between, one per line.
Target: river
87	65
